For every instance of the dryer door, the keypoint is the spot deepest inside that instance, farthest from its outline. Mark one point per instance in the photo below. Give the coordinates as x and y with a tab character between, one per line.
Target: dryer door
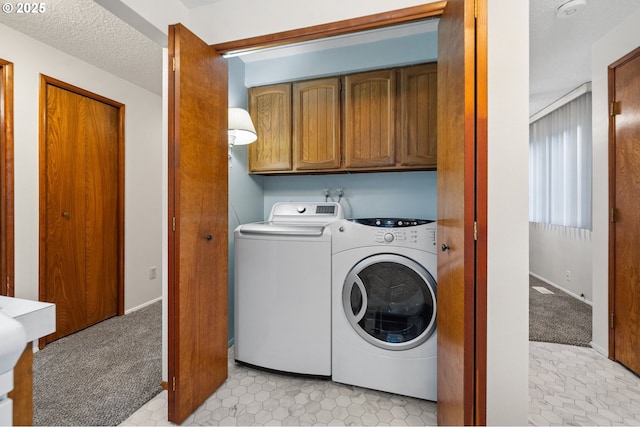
390	301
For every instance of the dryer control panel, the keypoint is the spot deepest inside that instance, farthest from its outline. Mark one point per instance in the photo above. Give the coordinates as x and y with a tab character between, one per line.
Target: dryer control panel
407	232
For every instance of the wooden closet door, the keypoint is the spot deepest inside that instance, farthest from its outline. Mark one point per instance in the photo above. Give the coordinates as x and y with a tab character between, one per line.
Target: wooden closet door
64	237
101	204
81	208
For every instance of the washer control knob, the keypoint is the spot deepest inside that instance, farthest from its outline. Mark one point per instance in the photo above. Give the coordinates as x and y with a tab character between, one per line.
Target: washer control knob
301	209
388	237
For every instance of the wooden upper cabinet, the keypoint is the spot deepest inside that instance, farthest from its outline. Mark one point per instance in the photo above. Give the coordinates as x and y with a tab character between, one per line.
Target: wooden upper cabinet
369	137
316	124
417	140
270	109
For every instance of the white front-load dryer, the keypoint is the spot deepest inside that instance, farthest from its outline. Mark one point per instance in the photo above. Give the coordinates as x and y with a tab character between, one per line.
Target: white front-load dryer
384	305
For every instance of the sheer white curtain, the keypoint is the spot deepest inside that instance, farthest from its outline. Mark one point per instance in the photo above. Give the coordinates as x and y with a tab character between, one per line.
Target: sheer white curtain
560	166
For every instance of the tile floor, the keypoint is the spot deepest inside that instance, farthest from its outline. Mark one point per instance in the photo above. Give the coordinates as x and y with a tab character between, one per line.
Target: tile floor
578	386
567	386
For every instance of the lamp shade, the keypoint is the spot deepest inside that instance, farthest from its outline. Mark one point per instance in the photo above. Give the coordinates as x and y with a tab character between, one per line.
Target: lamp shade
241	129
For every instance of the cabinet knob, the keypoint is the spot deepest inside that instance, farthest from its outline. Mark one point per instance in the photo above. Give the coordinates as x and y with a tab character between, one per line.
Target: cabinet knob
66	215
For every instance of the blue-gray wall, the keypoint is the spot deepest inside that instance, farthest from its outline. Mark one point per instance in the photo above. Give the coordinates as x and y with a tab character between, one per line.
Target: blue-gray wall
388	194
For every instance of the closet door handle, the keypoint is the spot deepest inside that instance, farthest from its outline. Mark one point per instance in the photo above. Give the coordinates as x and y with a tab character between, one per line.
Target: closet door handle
66	215
209	237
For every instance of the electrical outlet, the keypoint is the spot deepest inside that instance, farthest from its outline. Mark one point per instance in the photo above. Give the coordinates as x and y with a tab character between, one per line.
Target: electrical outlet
567	275
153	272
340	191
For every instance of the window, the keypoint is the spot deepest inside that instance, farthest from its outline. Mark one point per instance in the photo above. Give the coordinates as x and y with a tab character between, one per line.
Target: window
560	165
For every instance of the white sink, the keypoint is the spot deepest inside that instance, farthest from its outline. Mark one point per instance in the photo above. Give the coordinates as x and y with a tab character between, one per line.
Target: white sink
38	318
13	338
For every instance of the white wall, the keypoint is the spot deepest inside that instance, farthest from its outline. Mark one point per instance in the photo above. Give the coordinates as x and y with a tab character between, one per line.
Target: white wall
143	171
617	43
508	225
554	250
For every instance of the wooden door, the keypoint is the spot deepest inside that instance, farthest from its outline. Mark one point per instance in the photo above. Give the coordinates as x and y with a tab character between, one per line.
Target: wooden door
198	244
81	230
316	124
6	179
270	109
418	103
624	269
369	119
461	208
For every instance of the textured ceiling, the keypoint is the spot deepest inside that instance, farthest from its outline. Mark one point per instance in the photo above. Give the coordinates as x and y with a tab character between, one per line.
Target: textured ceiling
560	49
89	32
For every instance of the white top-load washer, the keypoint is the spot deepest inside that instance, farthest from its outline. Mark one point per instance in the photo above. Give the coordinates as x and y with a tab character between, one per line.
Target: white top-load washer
384	305
282	289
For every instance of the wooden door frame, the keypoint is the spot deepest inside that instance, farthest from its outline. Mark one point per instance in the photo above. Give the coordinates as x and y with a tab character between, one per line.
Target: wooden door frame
7	246
44	81
612	195
476	277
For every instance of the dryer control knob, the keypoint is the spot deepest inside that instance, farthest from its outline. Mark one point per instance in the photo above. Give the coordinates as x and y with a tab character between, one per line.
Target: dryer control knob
388	237
301	209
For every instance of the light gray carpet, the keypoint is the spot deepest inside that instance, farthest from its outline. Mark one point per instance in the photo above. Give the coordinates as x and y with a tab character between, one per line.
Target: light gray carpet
101	375
559	317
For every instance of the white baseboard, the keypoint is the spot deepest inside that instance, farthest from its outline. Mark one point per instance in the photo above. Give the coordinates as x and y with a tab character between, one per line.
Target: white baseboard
555	285
141	306
599	349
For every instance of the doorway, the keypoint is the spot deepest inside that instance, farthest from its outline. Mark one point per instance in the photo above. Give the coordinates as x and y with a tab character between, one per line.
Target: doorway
6	179
624	225
81	206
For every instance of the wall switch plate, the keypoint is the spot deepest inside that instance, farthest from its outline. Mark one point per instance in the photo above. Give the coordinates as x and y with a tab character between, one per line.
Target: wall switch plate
153	272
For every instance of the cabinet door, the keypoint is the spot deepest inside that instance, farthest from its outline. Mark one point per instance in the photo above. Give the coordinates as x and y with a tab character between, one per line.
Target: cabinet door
369	119
418	103
316	124
270	109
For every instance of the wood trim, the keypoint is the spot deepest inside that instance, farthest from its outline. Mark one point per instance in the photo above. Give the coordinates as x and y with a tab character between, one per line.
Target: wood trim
362	23
22	393
47	80
482	192
7	245
612	204
173	210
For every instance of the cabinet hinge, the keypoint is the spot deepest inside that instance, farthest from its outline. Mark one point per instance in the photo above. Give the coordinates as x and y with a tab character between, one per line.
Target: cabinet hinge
613	214
613	320
173	63
475	9
475	230
174	223
173	384
615	108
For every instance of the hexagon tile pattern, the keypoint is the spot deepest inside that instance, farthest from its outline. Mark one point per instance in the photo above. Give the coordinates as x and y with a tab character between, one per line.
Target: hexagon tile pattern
255	397
567	386
578	386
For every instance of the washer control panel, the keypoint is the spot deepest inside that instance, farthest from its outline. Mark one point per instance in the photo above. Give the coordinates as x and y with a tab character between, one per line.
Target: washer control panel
303	212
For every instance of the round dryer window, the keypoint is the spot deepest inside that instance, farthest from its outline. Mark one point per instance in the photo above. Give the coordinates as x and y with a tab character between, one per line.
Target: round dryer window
390	300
